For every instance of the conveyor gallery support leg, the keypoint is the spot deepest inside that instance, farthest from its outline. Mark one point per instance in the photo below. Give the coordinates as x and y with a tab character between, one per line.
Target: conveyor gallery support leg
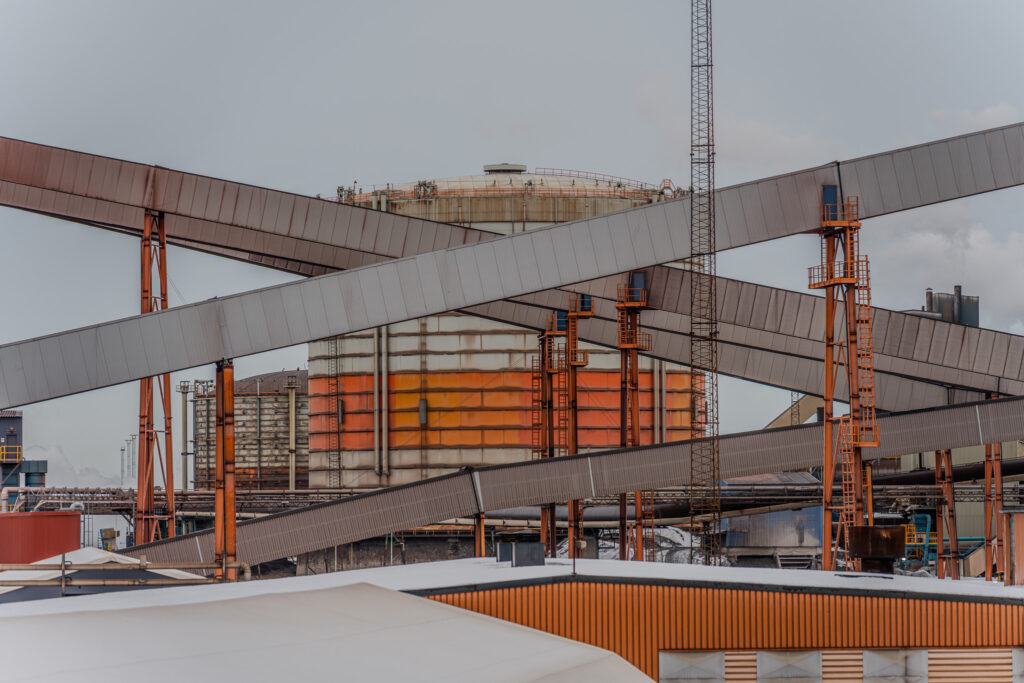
479	536
224	495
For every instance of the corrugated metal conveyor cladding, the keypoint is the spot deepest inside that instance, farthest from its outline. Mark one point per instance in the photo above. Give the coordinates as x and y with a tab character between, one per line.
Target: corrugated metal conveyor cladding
776	359
114	193
757	316
583	476
209	211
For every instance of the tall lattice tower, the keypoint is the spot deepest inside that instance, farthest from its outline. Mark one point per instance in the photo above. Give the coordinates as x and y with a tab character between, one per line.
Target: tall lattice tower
705	497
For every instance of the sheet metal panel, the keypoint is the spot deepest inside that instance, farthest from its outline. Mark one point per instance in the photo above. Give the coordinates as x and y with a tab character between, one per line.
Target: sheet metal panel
751	212
905	350
564	478
936	171
779	368
244	325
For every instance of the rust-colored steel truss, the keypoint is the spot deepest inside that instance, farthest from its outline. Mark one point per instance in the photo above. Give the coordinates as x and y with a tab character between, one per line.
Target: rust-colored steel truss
845	277
151	454
946	556
580	306
630	301
994	558
993	504
225	553
550	415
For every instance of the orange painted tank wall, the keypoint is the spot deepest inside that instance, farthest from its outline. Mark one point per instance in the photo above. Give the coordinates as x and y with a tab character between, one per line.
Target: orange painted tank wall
484	409
638	621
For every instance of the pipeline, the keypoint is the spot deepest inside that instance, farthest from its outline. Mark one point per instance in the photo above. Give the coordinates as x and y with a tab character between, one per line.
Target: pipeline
52	491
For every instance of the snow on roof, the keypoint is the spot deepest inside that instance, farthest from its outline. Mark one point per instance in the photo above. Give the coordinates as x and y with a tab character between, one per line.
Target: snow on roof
481	572
357	632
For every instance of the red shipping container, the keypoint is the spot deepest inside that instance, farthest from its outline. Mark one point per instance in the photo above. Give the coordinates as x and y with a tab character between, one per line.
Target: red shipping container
31	536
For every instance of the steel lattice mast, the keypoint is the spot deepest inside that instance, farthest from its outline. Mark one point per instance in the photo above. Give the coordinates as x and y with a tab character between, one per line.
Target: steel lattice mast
706	503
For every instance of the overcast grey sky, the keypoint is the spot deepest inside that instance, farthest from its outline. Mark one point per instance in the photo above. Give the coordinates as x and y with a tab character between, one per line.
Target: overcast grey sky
304	96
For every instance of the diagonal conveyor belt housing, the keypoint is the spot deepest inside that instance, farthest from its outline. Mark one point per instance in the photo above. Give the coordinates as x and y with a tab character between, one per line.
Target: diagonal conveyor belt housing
464	494
113	192
428	283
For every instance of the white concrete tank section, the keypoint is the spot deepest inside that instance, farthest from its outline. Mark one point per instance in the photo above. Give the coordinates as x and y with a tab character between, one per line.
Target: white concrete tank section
421	398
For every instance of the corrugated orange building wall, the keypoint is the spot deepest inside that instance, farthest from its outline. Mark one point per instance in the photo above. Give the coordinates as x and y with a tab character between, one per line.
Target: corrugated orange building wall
637	621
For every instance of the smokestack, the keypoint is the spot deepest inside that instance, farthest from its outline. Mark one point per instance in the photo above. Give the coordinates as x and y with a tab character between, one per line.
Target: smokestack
958	302
929	302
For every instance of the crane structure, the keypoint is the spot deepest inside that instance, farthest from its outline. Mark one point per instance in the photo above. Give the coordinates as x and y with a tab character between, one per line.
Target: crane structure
844	275
151	455
706	501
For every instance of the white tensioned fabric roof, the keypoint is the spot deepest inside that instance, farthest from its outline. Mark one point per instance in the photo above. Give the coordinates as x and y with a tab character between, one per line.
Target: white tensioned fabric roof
355	632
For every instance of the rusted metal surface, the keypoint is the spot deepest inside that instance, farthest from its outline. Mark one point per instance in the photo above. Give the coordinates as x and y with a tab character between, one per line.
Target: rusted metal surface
30	536
877	546
466	494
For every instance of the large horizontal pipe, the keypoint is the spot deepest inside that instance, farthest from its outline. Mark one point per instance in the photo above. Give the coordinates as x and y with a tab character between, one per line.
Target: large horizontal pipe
972	471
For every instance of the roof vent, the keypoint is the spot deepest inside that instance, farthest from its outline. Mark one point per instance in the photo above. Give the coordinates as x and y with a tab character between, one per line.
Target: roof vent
505	168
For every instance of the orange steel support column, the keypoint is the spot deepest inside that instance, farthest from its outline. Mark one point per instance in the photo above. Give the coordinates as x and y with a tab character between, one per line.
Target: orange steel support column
629	302
828	470
224	495
580	306
997	506
547	437
946	559
989	531
218	475
993	506
147	522
844	271
167	456
144	522
869	502
479	537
